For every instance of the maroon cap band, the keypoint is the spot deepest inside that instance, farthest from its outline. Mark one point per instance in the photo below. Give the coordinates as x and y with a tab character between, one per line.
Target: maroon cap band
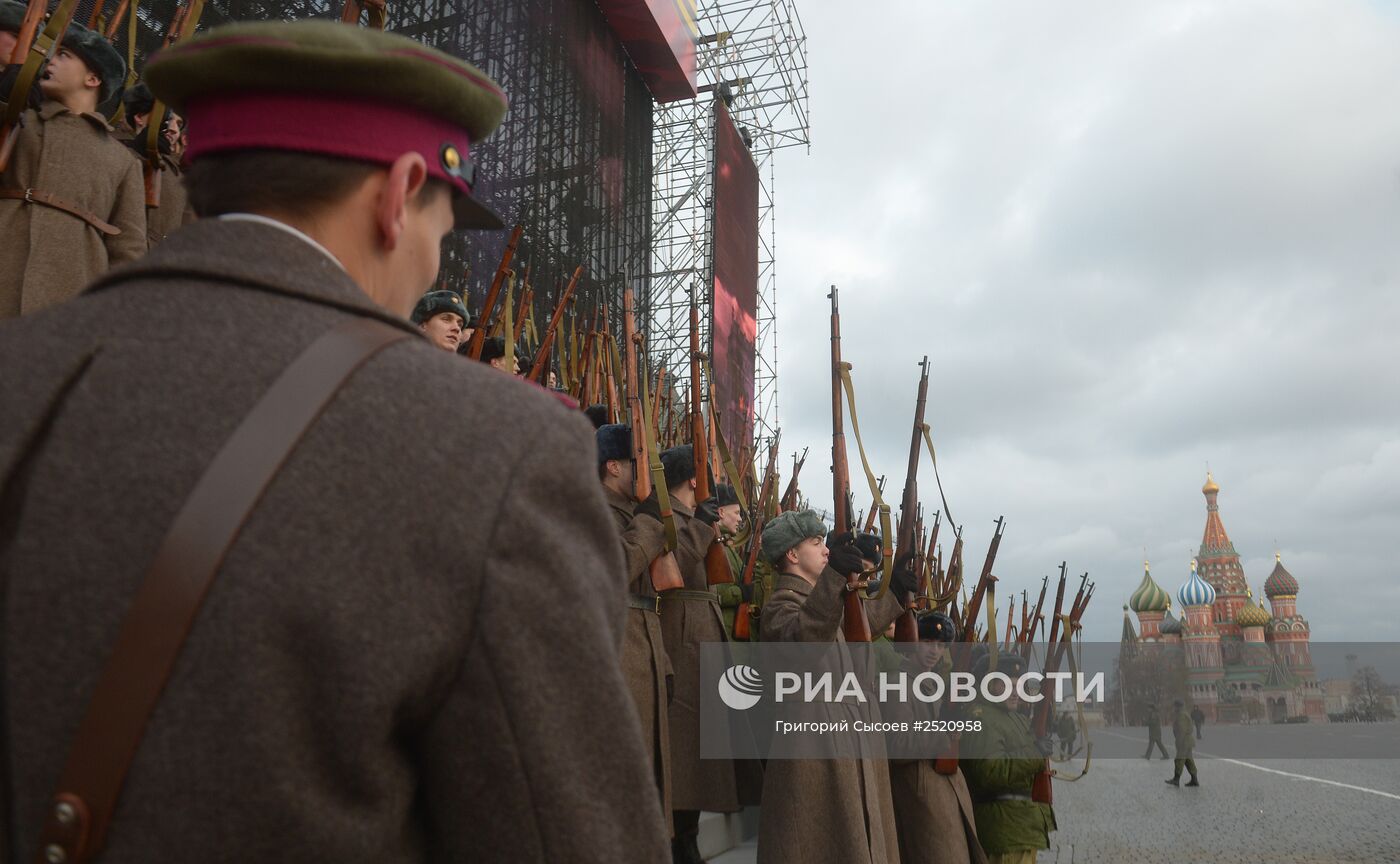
328	125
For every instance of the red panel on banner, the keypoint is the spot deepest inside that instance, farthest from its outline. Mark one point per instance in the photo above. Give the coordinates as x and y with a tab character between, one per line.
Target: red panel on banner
659	36
735	328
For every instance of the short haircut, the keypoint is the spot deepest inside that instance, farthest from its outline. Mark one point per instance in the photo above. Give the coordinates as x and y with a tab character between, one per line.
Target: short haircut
259	181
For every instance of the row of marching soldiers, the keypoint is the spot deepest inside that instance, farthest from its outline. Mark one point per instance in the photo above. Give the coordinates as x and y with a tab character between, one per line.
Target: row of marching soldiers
832	810
80	193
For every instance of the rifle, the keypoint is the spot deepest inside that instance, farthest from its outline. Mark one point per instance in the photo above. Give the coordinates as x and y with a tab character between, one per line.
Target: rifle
542	356
856	625
868	522
1040	788
747	611
717	571
527	297
974	606
906	628
35	51
378	12
665	572
484	321
789	499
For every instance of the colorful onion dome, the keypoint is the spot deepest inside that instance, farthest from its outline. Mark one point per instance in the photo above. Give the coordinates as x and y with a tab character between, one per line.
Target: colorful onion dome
1280	582
1250	615
1196	591
1211	485
1170	626
1149	596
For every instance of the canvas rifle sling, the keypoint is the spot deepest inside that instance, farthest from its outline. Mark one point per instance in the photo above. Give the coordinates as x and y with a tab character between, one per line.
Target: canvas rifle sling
887	565
169	598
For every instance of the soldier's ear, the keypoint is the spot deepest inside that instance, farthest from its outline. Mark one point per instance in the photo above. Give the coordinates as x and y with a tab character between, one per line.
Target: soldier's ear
407	176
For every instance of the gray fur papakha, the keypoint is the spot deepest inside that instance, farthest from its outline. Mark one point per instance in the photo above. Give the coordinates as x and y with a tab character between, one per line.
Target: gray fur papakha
789	529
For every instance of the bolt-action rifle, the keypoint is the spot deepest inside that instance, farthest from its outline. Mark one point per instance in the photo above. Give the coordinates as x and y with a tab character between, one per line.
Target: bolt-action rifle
483	322
746	613
649	475
906	628
542	356
856	625
717	570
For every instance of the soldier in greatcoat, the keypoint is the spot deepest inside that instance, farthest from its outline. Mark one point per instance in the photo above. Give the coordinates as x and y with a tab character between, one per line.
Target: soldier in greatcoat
72	200
172	208
822	811
690	616
933	811
377	673
645	665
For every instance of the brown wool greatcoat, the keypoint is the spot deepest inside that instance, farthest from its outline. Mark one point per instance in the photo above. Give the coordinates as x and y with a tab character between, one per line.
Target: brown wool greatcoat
174	209
382	671
827	811
47	255
716	785
932	811
645	665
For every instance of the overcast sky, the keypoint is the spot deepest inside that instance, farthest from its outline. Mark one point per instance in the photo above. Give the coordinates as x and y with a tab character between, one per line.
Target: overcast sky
1133	239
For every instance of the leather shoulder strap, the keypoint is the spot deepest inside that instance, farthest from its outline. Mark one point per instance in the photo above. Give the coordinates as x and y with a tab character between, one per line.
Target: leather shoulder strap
167	602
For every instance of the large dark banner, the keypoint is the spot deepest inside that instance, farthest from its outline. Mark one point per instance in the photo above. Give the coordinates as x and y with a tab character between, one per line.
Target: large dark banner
736	280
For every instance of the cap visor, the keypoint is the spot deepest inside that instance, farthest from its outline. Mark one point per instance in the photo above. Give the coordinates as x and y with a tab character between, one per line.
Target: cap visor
470	213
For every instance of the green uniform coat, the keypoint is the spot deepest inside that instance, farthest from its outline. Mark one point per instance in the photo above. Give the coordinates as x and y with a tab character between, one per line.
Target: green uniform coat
48	256
645	665
1002	760
828	811
1185	732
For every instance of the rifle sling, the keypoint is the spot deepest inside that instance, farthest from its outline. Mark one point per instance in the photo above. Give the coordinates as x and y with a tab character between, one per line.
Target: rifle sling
888	563
928	439
39	196
43	47
168	601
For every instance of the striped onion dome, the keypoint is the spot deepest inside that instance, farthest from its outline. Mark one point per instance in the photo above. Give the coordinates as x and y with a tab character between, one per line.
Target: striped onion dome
1149	596
1196	591
1280	582
1250	615
1170	626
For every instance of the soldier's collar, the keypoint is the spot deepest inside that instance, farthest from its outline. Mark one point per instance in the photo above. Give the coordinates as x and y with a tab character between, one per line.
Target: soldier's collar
51	109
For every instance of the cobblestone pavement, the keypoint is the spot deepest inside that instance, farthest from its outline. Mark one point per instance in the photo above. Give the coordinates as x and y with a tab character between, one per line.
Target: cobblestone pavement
1244	811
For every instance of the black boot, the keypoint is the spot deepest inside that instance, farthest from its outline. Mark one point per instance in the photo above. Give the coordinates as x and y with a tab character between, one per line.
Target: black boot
1175	781
1193	782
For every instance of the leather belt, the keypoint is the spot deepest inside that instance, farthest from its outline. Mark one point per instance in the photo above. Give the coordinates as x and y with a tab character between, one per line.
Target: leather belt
645	603
686	594
39	196
1009	796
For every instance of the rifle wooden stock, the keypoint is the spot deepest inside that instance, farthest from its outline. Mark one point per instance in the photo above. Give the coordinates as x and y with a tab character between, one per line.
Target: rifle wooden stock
1041	790
906	629
855	624
743	616
542	357
641	487
527	298
790	494
974	605
483	322
115	21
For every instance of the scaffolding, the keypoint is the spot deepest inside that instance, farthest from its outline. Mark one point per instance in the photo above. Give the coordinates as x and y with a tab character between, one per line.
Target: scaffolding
753	55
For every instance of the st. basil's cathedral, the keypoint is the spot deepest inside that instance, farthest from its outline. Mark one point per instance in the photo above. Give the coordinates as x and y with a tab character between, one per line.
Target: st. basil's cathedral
1242	663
